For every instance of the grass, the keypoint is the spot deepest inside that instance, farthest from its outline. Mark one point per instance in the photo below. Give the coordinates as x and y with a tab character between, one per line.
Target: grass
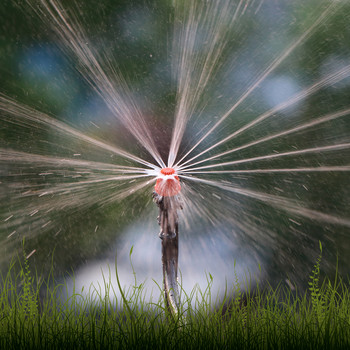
256	319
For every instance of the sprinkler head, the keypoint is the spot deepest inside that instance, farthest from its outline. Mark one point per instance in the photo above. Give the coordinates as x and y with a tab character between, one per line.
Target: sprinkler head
168	183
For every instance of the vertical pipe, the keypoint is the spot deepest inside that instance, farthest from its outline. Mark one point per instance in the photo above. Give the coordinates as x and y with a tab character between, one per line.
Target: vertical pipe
169	234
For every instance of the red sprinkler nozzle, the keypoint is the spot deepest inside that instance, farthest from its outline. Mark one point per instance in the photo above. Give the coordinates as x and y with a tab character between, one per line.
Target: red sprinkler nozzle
168	183
168	171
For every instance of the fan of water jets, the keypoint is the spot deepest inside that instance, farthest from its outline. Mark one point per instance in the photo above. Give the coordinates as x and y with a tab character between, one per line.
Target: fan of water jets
246	100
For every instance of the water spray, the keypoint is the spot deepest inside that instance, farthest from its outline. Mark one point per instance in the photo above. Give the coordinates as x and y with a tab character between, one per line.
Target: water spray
266	173
165	196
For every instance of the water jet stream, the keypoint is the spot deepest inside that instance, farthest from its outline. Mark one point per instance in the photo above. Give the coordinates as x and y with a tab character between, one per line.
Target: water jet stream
275	63
121	104
278	170
27	114
320	120
328	80
289	205
71	197
275	155
11	156
220	21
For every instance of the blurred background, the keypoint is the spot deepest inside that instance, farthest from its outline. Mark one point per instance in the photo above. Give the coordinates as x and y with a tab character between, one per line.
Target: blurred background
80	226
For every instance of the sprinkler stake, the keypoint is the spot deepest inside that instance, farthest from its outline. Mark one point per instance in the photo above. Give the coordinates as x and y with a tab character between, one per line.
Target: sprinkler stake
169	234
